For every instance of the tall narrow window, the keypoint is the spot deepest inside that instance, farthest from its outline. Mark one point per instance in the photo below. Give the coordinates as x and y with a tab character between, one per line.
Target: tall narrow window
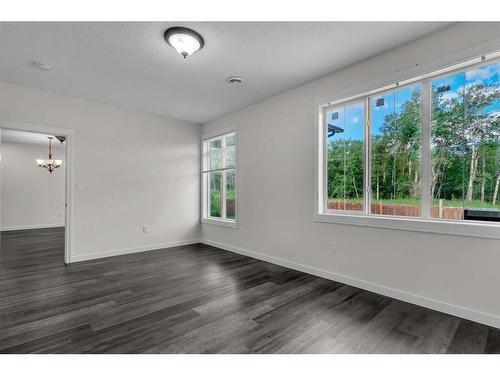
219	178
395	152
345	134
466	144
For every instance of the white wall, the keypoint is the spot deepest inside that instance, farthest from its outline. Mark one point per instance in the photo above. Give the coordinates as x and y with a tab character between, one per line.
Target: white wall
1	208
31	197
134	168
275	193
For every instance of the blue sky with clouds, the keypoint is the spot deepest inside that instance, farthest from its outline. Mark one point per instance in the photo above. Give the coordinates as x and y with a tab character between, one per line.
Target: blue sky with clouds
488	75
351	117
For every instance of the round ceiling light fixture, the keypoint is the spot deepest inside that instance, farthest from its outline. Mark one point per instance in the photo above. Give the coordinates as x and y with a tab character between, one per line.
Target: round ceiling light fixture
235	81
184	40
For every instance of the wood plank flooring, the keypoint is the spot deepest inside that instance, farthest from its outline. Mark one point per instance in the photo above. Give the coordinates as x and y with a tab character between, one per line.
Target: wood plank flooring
201	299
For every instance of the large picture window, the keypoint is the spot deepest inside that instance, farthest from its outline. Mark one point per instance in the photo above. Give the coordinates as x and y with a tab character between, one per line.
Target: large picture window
426	148
219	178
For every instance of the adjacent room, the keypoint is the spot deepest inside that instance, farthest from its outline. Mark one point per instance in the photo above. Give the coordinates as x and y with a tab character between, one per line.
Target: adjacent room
32	197
250	187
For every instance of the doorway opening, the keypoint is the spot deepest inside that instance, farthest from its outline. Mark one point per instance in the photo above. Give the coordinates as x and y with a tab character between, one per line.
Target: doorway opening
35	195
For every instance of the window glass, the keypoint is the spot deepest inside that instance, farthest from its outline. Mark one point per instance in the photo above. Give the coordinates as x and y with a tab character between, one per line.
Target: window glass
216	144
465	144
463	151
396	152
215	160
230	158
447	147
345	134
215	194
219	177
230	140
230	194
482	141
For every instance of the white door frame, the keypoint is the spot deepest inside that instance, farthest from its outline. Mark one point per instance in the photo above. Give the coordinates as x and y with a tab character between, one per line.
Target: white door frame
69	134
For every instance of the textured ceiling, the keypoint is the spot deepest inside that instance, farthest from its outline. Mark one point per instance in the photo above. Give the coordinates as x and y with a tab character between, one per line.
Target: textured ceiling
130	65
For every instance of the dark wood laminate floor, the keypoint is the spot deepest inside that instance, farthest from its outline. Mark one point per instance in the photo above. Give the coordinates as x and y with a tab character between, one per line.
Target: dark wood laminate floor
200	299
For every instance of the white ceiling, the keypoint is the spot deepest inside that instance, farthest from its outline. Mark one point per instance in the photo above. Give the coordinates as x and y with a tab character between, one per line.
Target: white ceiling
130	65
17	136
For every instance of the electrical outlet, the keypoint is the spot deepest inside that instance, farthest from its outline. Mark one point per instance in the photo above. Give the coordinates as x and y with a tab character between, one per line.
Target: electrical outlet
333	246
145	228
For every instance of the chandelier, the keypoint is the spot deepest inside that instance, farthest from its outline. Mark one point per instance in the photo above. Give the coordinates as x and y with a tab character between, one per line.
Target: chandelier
50	164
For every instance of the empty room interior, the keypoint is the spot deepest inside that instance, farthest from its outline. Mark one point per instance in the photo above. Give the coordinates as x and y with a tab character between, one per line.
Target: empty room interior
250	187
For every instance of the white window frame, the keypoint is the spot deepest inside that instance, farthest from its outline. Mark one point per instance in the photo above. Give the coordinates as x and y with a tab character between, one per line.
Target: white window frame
205	196
420	224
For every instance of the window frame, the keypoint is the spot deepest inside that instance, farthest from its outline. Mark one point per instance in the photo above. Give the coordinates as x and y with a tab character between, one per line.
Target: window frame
424	223
204	176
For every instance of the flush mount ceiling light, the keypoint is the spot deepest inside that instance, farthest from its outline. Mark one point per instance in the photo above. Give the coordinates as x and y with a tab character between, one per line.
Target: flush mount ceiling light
184	40
50	164
235	81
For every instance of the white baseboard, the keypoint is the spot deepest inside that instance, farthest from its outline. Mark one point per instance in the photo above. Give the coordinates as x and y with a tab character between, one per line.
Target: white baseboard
456	310
130	250
35	226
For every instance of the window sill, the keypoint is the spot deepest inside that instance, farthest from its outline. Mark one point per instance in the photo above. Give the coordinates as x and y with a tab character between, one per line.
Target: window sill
220	222
458	228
